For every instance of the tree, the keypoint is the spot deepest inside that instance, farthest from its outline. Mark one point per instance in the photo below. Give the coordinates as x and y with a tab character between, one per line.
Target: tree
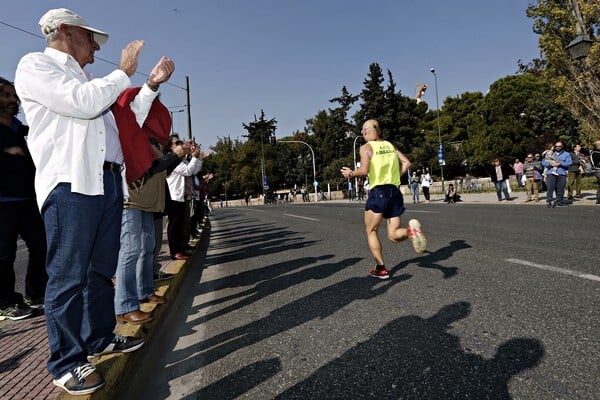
373	98
261	130
578	82
517	116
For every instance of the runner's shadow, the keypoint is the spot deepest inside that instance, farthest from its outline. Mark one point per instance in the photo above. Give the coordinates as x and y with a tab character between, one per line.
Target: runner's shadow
416	358
431	259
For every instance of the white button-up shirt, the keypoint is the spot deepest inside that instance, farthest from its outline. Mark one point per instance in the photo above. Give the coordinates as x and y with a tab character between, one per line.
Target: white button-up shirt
67	129
176	181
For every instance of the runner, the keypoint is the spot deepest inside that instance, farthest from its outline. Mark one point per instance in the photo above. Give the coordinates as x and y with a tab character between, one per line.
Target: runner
380	160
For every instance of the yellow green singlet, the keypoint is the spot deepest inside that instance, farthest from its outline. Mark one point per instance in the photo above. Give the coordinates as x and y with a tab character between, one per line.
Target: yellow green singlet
384	167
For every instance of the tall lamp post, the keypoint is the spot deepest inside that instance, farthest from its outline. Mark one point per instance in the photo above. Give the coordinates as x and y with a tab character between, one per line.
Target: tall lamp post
313	163
354	155
440	146
172	124
580	46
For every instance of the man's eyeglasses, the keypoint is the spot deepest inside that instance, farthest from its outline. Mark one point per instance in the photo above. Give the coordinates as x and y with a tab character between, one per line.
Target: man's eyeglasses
177	142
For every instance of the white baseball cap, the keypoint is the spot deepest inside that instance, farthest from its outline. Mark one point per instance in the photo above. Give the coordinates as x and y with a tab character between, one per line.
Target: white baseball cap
54	18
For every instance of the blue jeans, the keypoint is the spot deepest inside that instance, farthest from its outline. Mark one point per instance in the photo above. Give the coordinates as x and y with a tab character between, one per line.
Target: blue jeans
83	246
414	188
136	260
555	183
501	187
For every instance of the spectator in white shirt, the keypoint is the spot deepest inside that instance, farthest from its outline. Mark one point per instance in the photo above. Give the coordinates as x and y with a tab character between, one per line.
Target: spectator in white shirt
176	202
75	145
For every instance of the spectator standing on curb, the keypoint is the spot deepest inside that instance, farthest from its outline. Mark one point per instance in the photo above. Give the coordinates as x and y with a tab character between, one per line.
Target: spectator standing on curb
532	170
200	192
595	159
499	174
74	143
384	164
176	202
19	214
574	173
518	168
145	195
556	175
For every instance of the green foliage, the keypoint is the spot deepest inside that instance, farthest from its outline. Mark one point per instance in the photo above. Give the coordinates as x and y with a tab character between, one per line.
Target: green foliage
518	115
577	81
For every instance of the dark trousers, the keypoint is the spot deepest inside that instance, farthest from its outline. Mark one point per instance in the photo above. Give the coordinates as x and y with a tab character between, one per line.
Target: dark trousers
555	183
198	216
175	234
426	192
22	218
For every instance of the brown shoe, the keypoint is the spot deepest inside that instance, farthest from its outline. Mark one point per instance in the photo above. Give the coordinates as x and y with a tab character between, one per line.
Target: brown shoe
136	317
155	299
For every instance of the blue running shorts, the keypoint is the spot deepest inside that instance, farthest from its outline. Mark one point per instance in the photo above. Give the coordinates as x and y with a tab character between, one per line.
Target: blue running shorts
386	200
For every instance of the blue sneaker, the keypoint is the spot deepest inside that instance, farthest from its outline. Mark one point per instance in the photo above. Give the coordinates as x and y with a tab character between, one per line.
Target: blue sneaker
81	380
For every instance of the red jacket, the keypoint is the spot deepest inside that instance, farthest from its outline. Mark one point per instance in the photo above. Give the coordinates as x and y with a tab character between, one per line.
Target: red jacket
137	150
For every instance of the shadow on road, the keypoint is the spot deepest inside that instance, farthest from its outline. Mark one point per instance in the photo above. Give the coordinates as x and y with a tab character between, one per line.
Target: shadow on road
416	358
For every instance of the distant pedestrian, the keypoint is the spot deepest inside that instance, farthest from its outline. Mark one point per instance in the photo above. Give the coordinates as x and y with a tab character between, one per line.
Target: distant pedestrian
518	168
556	175
499	174
75	145
414	187
19	214
384	164
532	169
574	173
595	160
426	182
451	196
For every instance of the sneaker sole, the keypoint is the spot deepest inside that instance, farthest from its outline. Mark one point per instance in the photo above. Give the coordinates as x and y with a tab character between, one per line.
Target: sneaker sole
79	392
380	277
129	350
418	240
4	317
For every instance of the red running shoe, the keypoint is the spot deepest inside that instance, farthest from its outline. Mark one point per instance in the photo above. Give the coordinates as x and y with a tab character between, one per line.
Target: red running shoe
379	273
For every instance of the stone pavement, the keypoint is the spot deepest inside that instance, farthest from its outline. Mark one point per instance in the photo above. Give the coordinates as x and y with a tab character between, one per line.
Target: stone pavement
24	345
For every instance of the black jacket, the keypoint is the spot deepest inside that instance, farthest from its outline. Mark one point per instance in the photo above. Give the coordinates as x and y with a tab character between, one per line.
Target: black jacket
17	173
506	171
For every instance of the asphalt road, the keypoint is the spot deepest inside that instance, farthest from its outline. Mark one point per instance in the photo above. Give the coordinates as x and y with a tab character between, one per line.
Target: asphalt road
277	305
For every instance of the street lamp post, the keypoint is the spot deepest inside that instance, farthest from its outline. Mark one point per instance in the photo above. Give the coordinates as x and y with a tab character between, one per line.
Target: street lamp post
580	46
440	147
172	124
355	166
313	162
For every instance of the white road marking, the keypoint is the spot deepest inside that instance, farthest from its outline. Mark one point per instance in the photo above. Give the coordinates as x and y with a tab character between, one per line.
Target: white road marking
555	269
299	216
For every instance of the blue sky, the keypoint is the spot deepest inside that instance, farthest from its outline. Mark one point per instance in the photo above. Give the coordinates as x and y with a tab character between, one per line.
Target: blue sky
290	57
